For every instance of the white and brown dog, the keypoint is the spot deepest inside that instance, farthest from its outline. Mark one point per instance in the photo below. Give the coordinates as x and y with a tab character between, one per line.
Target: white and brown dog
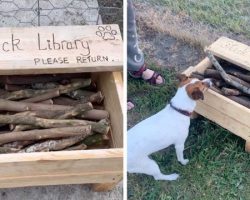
167	127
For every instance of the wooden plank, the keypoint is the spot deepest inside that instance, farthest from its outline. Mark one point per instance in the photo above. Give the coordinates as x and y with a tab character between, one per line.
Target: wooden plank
60	49
111	84
110	177
223	120
232	51
61	163
200	67
227	107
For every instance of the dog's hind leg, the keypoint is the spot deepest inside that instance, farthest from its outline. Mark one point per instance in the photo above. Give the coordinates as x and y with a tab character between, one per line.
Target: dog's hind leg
150	167
179	152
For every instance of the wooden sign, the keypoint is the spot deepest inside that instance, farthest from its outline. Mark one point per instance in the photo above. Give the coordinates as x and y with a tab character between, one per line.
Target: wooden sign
60	49
232	51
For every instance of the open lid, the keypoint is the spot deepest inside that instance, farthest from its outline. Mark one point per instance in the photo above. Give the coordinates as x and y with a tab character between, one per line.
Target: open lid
232	51
60	49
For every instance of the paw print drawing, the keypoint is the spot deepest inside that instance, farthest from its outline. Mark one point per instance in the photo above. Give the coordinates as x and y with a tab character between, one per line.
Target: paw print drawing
106	32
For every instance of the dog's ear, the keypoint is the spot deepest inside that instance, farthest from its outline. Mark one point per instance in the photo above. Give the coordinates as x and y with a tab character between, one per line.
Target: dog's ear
197	94
181	77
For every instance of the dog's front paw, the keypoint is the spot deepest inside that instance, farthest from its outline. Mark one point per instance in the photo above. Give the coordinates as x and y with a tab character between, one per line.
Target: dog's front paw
184	162
173	177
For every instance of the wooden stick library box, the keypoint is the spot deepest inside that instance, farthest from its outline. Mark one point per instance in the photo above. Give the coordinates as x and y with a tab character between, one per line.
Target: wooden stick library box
67	49
220	109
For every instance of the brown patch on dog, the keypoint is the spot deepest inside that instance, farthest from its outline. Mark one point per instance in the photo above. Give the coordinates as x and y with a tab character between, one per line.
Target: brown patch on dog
195	90
183	79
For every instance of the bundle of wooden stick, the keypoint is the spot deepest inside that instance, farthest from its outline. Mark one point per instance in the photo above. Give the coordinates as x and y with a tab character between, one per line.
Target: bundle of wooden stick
51	113
229	80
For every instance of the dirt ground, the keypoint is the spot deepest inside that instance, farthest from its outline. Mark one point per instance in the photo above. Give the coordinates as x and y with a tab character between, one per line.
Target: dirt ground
167	51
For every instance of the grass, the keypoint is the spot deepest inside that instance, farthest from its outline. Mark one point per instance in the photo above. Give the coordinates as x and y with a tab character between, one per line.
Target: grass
219	169
229	15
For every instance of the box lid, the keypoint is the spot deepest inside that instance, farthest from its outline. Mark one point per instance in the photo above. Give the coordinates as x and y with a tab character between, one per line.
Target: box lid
232	51
60	49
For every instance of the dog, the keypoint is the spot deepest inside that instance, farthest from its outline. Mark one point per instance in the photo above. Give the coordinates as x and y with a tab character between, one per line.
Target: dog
167	127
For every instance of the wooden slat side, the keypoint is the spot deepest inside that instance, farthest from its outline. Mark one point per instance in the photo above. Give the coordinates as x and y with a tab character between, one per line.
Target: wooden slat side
61	155
223	120
111	84
60	49
228	107
60	167
62	70
46	165
232	51
110	177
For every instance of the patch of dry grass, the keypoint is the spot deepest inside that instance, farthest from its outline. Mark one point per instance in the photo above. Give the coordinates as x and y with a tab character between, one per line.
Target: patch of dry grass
181	26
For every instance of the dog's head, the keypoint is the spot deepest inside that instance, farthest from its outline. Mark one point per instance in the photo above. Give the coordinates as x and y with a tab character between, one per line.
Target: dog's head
193	86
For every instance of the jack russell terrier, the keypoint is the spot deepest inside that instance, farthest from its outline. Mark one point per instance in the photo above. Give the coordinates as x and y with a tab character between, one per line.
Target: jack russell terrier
167	127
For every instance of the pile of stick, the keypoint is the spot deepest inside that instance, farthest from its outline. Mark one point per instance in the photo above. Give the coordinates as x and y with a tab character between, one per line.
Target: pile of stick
51	113
228	80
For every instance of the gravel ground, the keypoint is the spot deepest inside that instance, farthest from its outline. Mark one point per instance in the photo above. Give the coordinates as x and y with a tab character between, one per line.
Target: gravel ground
62	192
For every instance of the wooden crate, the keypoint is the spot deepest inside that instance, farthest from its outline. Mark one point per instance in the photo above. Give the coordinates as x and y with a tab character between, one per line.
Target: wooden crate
225	112
103	168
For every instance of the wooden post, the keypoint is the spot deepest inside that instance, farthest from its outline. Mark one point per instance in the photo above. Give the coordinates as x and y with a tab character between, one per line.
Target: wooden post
194	115
104	187
247	146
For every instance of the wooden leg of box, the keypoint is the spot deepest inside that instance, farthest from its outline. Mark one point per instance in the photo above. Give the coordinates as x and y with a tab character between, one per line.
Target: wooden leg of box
103	187
247	146
194	115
